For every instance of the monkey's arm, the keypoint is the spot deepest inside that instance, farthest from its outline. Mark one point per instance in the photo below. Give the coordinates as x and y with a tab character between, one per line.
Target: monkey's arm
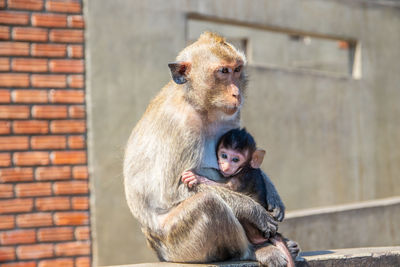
190	178
274	201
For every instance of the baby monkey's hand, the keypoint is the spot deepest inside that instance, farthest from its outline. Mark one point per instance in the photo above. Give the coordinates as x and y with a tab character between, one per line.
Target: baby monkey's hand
189	178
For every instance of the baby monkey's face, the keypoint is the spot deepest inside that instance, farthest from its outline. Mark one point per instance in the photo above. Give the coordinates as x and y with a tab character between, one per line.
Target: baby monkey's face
230	160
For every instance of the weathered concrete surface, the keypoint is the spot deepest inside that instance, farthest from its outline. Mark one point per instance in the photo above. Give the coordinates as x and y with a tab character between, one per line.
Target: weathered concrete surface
373	256
364	224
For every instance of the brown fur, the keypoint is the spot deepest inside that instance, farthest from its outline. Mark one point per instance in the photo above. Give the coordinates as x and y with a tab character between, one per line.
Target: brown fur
174	135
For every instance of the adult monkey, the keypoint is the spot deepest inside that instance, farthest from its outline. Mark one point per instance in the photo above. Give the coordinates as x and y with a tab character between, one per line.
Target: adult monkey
178	132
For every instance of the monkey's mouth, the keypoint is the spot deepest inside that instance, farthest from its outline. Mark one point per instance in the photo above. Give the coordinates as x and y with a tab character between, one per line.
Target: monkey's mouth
230	110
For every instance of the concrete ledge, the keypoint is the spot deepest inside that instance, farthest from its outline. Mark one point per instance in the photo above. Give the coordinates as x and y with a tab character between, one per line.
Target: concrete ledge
378	256
363	224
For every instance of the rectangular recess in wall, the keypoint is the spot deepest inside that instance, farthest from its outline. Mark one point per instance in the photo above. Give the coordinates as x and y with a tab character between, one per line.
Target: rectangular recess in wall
283	48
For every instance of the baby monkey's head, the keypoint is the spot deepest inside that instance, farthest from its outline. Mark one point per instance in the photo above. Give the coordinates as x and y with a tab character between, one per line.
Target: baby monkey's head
237	149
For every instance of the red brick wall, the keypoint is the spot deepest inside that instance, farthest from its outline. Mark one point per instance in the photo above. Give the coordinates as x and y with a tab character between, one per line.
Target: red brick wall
44	193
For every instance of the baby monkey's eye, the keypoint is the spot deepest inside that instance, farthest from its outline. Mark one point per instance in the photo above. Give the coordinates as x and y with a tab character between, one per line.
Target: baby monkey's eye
236	160
238	69
224	156
224	70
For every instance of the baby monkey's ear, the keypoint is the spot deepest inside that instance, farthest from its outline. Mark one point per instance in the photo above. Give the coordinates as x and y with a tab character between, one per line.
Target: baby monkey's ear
257	158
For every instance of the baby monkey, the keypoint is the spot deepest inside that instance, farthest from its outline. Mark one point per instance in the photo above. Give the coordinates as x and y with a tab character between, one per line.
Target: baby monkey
239	162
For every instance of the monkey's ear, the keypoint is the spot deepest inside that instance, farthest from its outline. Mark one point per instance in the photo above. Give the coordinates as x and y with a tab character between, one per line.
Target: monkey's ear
257	158
179	71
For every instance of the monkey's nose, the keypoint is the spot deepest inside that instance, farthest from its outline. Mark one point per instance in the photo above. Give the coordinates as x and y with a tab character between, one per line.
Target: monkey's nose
235	91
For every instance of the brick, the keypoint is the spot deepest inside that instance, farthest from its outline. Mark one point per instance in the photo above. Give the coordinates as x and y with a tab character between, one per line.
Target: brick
82	233
18	237
7	254
77	112
76	81
73	248
14	112
50	112
49	50
5	127
80	172
67	96
48	142
7	222
15	18
26	4
20	264
68	157
53	173
29	65
4	33
82	262
30	127
16	174
42	80
14	49
30	34
76	142
29	96
14	143
33	189
71	218
31	158
2	3
5	159
67	65
56	234
5	96
14	79
34	220
75	51
67	36
6	191
68	126
16	205
4	64
67	262
76	21
53	203
35	251
49	20
67	6
80	203
71	188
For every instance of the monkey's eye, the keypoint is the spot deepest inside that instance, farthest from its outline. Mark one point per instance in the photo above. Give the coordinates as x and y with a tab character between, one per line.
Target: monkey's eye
224	156
238	69
224	70
236	160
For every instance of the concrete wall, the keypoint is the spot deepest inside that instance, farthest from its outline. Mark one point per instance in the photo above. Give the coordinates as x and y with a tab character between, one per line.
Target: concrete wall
330	139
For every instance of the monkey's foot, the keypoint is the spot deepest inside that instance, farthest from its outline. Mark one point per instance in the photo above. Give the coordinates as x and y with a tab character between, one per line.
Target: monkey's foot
270	256
293	247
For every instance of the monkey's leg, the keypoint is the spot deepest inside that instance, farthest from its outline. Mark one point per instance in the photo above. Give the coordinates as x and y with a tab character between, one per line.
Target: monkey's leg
202	229
246	210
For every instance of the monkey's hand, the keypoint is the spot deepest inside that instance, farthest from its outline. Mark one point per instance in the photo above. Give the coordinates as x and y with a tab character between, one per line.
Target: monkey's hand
189	178
274	202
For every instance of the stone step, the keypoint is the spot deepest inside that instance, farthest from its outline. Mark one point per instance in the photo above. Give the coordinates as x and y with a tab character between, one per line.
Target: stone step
374	256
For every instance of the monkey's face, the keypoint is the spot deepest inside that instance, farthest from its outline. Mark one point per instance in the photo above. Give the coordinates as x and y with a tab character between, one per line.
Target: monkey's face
230	160
227	92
